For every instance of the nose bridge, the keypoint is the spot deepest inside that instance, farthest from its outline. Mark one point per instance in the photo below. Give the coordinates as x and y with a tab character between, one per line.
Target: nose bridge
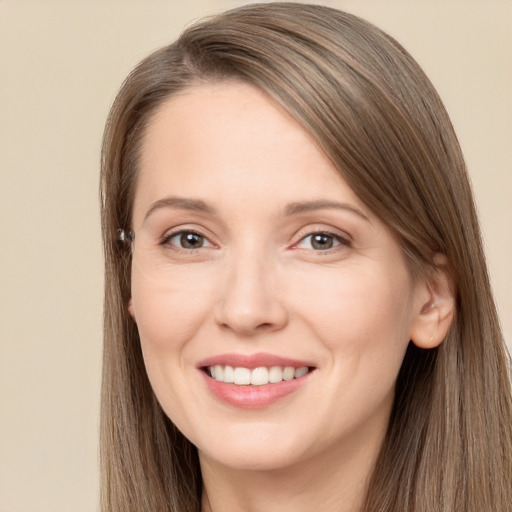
249	301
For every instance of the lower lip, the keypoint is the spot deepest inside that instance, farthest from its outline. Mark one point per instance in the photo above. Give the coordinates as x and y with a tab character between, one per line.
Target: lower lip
253	397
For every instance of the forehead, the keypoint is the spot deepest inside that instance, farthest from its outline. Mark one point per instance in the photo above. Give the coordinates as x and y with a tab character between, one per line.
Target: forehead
230	142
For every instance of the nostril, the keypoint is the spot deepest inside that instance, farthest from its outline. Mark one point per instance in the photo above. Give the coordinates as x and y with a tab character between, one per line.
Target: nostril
263	326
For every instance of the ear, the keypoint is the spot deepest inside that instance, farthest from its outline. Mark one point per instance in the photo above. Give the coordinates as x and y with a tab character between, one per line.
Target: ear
434	307
130	308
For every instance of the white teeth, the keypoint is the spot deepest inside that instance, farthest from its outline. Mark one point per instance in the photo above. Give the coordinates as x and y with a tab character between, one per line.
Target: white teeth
300	372
229	374
219	373
257	376
242	376
275	374
288	373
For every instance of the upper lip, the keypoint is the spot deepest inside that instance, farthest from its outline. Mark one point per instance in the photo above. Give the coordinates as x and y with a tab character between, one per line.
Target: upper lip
252	361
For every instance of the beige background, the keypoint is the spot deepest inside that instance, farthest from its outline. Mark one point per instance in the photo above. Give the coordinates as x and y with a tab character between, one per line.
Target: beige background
61	63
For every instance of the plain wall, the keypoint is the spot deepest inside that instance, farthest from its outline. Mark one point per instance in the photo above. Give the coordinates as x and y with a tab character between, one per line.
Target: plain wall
61	64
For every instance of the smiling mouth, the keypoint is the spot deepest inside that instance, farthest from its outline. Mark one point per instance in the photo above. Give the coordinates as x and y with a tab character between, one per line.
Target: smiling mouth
259	376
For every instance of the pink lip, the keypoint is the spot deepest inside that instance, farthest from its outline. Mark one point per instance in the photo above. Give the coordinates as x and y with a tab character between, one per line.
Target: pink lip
252	397
252	361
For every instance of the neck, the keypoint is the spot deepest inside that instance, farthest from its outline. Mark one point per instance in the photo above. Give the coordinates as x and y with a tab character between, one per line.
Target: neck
334	480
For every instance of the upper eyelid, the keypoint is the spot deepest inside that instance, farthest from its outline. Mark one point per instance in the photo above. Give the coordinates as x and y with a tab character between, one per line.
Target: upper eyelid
172	232
164	242
326	233
312	230
343	241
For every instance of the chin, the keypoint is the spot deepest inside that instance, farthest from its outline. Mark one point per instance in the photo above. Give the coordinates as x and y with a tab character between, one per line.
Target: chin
257	459
260	450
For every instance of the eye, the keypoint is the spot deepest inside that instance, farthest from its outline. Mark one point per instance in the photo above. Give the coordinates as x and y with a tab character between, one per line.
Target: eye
321	241
187	240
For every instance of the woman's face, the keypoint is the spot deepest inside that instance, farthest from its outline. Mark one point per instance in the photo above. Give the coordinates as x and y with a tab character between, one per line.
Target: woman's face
253	259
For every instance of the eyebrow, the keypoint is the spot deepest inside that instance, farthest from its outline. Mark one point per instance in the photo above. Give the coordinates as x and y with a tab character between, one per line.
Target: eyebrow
309	206
180	203
295	208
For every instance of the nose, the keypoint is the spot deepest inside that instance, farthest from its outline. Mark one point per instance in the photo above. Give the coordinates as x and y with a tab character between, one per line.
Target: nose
250	302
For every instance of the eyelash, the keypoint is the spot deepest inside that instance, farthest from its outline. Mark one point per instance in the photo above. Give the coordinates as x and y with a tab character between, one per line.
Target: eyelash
167	239
341	241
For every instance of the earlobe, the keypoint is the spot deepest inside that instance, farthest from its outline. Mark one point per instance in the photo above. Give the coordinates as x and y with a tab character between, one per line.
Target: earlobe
435	307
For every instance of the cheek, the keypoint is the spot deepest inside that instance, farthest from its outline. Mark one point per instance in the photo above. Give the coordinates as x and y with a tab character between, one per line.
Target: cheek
362	320
359	311
169	314
170	311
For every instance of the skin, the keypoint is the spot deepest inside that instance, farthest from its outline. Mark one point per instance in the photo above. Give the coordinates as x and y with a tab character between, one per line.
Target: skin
257	284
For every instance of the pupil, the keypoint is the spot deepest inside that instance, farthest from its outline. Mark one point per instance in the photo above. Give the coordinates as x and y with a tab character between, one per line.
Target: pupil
191	241
322	242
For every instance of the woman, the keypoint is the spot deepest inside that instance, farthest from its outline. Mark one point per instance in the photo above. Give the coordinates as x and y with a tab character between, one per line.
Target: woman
298	312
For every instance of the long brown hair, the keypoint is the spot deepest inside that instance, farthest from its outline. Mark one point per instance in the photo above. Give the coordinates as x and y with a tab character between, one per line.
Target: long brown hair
377	117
